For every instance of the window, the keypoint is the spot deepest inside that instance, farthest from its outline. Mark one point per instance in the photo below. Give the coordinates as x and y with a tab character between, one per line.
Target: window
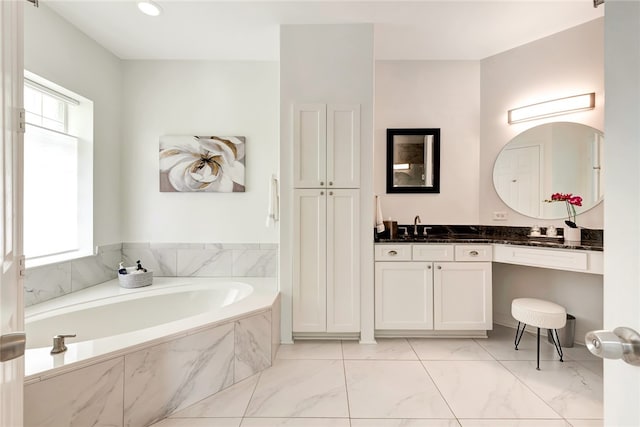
58	169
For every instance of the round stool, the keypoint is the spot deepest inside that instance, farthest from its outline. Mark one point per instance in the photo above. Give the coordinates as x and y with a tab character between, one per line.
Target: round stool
541	314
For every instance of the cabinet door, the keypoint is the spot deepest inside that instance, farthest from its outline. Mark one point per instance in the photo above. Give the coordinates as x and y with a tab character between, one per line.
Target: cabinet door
404	295
462	296
309	263
309	145
343	146
343	261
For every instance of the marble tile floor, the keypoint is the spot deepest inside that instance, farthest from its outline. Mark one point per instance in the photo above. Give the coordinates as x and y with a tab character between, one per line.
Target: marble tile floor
411	383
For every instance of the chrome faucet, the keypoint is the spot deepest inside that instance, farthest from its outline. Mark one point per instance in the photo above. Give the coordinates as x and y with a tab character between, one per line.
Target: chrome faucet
58	343
416	221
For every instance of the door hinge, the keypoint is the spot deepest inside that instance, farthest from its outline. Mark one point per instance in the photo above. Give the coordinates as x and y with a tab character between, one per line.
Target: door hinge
22	122
21	266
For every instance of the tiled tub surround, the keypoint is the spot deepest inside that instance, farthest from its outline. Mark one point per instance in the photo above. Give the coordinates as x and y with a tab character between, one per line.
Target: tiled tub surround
164	259
53	280
141	377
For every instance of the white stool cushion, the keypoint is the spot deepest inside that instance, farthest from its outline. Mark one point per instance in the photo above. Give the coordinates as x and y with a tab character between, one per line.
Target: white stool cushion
539	313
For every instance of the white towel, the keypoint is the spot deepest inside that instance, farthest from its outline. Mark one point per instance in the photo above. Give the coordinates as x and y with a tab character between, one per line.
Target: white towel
274	202
379	221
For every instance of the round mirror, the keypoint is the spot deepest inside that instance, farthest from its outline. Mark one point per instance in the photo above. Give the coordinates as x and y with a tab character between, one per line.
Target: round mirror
558	157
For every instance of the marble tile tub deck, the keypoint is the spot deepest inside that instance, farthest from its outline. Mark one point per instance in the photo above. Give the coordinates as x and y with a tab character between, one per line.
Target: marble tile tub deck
411	383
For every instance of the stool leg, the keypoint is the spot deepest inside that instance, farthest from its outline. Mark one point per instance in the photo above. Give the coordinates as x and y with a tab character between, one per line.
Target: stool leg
519	336
556	342
538	365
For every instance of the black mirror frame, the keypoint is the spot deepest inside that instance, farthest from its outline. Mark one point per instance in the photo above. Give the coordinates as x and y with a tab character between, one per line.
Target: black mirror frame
435	132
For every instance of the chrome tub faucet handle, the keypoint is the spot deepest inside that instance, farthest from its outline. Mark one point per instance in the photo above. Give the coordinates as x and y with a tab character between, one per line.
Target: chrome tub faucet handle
58	343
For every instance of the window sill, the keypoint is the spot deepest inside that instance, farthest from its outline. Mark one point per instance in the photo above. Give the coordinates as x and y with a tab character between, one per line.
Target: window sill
52	259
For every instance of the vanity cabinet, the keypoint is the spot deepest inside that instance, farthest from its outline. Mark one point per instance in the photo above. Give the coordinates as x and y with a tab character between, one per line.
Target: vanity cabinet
326	276
462	296
433	287
404	295
326	146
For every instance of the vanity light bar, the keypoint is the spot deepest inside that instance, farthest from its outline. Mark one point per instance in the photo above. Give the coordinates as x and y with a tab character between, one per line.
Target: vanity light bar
554	107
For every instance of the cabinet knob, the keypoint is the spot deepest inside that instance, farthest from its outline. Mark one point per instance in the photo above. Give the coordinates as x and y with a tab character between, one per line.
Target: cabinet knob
331	193
439	267
330	182
321	182
393	253
473	253
322	193
428	267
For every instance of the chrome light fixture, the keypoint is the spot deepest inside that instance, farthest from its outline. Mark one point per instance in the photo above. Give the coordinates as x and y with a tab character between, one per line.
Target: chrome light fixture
149	7
555	107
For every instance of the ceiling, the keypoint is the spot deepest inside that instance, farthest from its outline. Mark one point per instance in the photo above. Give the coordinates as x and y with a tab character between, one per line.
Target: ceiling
243	30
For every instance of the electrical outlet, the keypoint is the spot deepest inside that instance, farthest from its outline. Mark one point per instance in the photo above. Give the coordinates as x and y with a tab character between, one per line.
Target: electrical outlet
500	216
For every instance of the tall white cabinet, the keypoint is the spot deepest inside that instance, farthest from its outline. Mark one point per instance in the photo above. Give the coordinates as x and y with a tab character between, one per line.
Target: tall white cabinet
326	254
326	146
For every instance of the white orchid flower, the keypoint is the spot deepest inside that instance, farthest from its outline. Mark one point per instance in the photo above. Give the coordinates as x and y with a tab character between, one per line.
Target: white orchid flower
198	163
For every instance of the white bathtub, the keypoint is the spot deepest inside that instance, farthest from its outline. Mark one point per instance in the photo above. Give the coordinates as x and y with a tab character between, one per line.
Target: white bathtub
110	321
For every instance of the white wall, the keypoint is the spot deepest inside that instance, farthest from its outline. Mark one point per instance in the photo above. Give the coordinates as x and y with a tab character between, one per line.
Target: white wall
327	64
431	94
198	98
566	63
60	53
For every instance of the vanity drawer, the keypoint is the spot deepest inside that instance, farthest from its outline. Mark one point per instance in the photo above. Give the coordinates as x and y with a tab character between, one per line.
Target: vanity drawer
393	252
474	253
429	252
548	258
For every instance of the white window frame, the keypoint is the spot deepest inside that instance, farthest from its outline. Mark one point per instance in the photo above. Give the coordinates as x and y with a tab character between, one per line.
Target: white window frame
79	124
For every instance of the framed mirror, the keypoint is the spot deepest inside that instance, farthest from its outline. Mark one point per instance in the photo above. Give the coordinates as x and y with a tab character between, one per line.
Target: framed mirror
413	160
559	157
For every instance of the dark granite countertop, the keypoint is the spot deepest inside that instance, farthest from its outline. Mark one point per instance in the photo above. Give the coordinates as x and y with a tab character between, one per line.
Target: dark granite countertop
592	240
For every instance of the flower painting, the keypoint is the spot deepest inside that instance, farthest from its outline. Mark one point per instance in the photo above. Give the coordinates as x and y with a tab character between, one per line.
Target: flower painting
202	164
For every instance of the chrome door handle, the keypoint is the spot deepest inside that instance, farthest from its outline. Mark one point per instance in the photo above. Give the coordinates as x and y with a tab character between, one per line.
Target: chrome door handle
12	346
623	343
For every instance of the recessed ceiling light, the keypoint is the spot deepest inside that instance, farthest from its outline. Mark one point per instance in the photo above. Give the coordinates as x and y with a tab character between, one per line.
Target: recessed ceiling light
149	7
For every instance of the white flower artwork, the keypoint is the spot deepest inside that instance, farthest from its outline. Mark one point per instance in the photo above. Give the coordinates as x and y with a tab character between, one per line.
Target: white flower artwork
202	164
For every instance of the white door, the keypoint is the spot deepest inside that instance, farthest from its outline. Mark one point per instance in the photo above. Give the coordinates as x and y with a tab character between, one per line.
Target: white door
343	146
343	261
309	261
309	145
517	179
11	309
462	296
404	296
621	294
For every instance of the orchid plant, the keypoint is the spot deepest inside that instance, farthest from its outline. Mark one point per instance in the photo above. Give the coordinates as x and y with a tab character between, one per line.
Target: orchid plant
571	202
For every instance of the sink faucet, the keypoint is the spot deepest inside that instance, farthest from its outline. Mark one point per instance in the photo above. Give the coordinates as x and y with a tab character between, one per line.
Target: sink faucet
416	221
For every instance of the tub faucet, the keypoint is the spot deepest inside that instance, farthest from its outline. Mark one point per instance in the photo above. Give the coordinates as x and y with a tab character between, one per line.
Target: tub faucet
58	343
416	221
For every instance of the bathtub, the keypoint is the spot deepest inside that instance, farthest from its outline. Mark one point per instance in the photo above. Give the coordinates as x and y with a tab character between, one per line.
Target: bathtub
116	326
108	319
